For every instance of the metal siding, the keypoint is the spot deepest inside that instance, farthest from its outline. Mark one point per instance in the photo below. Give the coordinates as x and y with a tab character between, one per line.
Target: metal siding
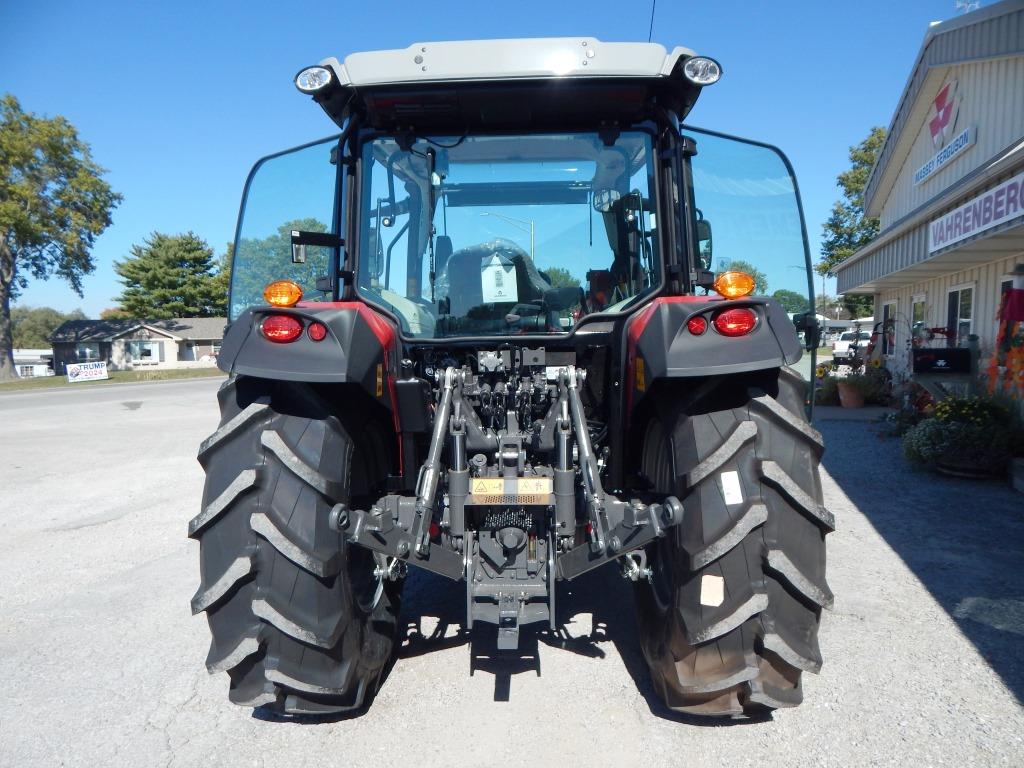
894	256
911	247
993	102
987	279
1001	35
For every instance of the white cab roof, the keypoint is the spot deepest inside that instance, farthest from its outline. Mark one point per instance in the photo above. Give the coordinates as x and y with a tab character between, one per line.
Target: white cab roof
535	58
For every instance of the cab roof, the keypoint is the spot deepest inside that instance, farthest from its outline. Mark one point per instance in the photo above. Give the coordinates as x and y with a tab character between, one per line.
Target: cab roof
507	83
517	59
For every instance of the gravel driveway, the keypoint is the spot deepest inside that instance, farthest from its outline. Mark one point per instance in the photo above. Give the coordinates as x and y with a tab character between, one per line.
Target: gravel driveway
103	660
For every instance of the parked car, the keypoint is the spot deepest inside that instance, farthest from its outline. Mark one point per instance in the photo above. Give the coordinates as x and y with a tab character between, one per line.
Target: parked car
851	344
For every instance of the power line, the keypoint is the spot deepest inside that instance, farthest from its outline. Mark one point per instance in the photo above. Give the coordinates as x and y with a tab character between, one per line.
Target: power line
650	31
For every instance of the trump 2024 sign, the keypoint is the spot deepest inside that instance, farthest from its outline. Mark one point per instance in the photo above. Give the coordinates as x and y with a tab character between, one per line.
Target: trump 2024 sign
87	371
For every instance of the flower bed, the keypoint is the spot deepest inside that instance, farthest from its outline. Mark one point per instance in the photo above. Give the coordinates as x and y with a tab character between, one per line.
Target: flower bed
966	436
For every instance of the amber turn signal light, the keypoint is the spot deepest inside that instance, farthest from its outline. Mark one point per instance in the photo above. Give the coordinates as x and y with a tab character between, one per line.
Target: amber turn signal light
282	293
734	285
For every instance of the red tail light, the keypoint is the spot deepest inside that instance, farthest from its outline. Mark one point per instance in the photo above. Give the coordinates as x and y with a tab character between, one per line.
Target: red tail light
281	329
697	325
735	322
317	331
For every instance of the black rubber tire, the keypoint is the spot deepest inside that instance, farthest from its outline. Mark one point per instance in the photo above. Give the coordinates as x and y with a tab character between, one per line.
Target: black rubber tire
762	559
299	621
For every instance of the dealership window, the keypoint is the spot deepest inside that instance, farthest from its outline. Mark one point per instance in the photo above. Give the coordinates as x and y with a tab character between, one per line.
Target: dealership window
917	322
960	314
87	353
144	351
888	327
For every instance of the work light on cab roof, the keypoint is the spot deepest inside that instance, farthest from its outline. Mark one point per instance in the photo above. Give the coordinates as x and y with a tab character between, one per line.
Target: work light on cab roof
313	79
702	70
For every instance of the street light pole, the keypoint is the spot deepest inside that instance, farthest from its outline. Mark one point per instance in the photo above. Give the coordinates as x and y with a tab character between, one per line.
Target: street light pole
521	225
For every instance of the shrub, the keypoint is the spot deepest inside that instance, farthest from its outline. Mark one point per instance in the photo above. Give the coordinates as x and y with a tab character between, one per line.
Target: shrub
965	432
972	410
826	392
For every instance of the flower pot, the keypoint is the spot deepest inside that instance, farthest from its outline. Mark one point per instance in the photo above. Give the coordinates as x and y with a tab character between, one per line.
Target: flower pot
849	396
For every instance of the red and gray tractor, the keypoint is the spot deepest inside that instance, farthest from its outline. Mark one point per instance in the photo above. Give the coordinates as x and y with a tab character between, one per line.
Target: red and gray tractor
484	330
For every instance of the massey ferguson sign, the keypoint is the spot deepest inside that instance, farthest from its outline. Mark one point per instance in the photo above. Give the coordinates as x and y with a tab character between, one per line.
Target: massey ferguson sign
999	204
945	137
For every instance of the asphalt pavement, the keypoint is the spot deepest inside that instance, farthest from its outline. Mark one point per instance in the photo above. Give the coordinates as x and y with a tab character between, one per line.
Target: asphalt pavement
103	661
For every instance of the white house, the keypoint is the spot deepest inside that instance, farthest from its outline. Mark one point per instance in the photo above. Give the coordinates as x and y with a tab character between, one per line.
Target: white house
30	363
180	342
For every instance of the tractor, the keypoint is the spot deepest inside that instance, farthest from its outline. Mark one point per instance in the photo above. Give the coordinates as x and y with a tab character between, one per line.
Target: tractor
508	324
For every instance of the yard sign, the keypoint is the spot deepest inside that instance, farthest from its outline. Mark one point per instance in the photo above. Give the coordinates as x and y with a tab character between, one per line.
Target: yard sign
87	371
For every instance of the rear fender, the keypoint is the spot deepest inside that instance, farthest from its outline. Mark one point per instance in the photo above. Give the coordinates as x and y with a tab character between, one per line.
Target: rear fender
360	348
660	346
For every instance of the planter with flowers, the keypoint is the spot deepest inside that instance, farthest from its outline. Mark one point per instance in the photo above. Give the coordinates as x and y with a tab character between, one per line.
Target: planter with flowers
966	437
867	385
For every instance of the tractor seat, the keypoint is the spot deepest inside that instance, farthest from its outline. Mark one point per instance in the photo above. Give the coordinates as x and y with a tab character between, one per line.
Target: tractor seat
460	279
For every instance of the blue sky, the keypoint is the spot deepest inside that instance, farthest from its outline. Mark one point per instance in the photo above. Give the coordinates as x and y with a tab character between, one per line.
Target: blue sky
179	99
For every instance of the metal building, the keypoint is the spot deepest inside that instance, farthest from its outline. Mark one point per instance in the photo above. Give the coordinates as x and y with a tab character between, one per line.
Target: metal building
948	187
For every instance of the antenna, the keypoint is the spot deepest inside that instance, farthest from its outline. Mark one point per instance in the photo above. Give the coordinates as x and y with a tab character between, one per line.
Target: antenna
650	31
966	6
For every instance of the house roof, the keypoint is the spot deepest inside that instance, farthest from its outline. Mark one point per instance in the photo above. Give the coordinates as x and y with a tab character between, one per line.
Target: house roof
181	328
993	31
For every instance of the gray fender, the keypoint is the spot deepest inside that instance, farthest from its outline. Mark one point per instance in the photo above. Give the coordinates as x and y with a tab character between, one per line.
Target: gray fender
660	346
359	347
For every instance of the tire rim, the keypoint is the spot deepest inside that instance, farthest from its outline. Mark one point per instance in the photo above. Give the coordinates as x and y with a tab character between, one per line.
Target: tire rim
657	467
366	574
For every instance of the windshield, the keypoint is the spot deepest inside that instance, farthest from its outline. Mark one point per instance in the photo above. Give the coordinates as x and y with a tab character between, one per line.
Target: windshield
496	235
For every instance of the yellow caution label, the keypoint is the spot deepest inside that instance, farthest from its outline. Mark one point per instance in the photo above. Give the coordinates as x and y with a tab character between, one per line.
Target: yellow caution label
519	490
380	380
532	485
487	486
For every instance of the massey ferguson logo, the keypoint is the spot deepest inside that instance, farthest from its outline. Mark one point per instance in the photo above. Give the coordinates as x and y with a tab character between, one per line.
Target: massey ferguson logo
945	109
941	123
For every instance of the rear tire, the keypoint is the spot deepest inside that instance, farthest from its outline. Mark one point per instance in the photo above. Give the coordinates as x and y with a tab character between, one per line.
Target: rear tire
299	620
729	620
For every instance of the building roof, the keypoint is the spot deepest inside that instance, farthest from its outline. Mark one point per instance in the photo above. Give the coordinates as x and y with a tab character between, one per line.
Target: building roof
993	31
181	328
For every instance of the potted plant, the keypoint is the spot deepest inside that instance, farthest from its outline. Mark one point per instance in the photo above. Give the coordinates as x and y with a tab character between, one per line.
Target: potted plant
854	389
965	437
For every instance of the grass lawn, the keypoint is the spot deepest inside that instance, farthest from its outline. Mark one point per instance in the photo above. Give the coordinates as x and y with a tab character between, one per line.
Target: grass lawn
116	377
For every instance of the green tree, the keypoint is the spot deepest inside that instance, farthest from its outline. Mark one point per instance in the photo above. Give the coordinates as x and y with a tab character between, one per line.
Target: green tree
848	229
791	301
222	277
858	306
170	276
113	313
829	306
260	261
53	205
760	278
559	277
31	326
